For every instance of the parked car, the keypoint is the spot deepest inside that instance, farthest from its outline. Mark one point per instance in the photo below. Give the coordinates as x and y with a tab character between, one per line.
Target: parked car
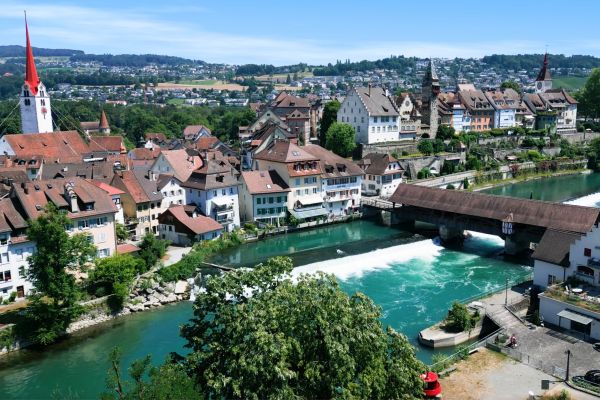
593	376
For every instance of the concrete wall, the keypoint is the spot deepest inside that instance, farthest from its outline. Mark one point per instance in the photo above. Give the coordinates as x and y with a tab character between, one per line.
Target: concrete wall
549	308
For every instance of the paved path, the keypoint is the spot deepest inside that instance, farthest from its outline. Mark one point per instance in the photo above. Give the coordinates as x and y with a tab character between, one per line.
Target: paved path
174	254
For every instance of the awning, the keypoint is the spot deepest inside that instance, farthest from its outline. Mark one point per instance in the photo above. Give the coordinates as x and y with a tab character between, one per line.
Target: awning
582	319
308	212
220	201
306	200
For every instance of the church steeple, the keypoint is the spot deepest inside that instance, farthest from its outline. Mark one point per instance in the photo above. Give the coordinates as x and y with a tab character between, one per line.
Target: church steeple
543	82
31	75
36	115
104	127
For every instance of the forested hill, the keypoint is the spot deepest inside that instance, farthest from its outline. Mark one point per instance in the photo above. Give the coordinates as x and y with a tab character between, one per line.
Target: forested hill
19	51
133	60
533	61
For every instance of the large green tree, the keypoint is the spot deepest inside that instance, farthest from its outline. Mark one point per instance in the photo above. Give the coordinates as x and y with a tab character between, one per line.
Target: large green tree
425	146
589	96
260	334
511	85
329	117
340	139
53	305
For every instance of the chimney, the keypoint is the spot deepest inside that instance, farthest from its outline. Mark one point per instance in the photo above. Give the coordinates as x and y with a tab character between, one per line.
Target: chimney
70	194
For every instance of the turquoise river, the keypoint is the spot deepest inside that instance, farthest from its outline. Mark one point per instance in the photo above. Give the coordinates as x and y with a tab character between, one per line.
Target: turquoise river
413	279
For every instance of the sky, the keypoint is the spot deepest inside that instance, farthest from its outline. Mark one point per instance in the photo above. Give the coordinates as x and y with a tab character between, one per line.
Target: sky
315	32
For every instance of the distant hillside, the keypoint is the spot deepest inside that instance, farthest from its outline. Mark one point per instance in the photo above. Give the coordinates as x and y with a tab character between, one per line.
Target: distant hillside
19	51
133	60
534	61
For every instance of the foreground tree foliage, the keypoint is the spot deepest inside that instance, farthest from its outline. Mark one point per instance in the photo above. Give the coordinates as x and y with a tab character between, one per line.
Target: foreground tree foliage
167	382
113	276
152	249
259	334
53	305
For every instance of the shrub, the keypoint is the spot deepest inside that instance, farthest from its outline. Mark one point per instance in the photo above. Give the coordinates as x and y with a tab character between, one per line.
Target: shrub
12	296
450	187
460	319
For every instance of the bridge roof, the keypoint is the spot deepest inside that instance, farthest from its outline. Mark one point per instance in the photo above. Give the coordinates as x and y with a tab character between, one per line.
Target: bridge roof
561	217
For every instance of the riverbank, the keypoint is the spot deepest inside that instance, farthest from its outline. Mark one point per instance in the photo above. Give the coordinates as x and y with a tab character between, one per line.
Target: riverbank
524	178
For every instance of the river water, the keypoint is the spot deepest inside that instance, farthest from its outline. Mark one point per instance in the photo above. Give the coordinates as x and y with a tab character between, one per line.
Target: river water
409	276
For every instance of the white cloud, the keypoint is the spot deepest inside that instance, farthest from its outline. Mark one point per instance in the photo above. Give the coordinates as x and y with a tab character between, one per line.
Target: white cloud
136	30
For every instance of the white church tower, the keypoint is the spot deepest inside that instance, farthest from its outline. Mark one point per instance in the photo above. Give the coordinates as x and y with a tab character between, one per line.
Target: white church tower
543	82
36	115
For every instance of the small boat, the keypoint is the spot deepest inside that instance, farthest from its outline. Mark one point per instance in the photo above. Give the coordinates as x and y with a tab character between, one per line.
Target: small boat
340	252
433	389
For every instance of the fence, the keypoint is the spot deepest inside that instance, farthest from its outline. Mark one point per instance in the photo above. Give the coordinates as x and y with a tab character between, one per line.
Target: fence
527	359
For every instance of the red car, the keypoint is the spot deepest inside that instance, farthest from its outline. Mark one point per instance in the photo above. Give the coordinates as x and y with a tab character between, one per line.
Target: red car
433	389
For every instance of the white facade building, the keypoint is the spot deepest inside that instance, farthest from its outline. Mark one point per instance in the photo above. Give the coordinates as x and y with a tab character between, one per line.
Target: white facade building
263	198
372	113
383	174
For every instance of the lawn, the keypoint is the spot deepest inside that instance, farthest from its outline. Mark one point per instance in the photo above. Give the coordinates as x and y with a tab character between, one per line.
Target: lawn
204	82
569	82
176	102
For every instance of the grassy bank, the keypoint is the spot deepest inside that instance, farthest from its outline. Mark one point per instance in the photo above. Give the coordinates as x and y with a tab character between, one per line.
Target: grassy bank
523	177
201	252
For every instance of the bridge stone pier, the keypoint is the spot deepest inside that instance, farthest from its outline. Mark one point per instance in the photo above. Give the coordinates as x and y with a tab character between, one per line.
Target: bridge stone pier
451	234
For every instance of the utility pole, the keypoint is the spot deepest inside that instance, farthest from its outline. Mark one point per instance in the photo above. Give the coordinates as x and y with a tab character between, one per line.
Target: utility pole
568	362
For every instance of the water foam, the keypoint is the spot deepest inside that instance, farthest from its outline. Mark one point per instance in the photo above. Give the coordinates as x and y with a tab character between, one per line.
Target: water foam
591	200
487	238
357	265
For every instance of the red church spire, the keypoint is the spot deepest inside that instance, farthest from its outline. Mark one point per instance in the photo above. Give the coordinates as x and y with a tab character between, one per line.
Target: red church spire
103	121
544	74
31	76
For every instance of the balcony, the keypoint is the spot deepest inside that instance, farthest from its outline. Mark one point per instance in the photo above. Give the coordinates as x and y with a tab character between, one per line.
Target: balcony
593	263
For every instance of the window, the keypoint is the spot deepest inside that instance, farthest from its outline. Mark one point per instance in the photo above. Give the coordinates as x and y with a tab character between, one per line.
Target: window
103	253
19	254
551	279
102	237
214	193
6	276
587	252
305	191
258	200
27	102
375	119
298	192
297	181
83	224
271	200
4	258
279	199
230	190
314	190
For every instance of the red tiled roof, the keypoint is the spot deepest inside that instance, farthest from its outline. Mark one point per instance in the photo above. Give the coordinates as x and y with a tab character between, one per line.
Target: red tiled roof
113	144
182	163
198	225
127	248
111	190
259	182
63	146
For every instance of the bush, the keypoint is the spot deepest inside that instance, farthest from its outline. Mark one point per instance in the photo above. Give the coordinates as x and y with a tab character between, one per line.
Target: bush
465	183
450	187
152	249
12	296
113	275
460	319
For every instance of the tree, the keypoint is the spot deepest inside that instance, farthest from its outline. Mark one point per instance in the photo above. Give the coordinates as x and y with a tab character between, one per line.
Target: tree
288	79
113	275
460	319
340	139
424	173
438	146
511	85
53	304
167	382
425	146
259	334
329	117
121	232
589	96
152	249
445	132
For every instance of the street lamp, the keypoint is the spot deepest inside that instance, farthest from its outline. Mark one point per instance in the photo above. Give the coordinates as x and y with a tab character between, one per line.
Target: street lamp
568	362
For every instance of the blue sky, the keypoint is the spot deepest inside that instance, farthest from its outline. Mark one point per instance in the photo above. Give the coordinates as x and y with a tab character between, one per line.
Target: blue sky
286	32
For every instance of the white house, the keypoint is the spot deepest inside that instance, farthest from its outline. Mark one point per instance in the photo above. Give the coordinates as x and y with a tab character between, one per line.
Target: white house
264	197
505	103
372	113
214	190
182	226
171	189
383	174
341	181
301	171
14	250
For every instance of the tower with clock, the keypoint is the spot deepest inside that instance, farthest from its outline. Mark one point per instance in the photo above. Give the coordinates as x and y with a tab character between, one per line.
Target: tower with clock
34	101
543	82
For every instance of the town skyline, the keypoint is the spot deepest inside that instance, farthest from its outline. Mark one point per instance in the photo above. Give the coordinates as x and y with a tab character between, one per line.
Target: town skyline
282	35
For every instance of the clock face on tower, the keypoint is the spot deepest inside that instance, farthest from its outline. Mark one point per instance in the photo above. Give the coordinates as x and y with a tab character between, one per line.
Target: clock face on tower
539	85
44	110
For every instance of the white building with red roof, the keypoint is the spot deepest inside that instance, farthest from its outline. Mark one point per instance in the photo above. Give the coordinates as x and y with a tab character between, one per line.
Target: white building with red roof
263	197
182	225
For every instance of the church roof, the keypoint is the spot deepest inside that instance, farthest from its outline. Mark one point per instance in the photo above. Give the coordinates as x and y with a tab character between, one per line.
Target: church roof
31	76
104	121
544	74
